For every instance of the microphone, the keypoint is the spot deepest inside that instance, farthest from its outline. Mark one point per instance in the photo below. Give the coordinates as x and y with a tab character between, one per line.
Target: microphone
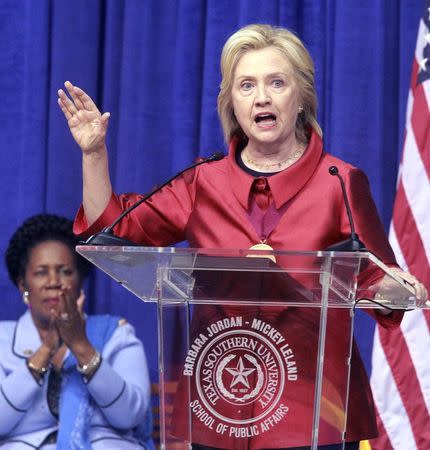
107	237
353	243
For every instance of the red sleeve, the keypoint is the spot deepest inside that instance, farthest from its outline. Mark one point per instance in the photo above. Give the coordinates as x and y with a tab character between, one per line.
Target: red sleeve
371	232
111	212
160	221
367	223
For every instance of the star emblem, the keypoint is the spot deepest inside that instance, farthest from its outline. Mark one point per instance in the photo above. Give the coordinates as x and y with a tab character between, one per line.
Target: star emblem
423	64
240	374
427	38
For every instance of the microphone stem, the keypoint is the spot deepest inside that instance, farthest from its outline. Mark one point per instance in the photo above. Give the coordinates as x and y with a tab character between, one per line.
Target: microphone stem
109	229
348	208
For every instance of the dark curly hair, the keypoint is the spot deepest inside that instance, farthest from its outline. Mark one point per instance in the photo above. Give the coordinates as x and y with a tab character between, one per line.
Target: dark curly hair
35	230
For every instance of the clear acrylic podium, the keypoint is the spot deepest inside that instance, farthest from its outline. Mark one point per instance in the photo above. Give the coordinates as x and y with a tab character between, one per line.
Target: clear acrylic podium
255	346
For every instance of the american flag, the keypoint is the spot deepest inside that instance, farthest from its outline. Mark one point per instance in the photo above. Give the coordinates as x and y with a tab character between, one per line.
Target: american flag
401	359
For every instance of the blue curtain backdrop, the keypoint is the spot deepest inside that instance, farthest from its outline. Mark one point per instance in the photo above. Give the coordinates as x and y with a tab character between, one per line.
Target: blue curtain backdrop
154	65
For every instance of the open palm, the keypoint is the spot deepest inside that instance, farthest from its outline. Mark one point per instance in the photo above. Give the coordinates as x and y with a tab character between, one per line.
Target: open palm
87	125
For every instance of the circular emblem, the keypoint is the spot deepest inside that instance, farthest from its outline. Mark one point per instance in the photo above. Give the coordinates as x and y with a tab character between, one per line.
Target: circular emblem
239	372
240	376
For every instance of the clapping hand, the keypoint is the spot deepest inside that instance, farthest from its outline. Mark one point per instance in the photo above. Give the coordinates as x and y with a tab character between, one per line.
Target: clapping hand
70	320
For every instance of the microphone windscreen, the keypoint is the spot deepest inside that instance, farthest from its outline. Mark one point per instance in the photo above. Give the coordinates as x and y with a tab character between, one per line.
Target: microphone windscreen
333	170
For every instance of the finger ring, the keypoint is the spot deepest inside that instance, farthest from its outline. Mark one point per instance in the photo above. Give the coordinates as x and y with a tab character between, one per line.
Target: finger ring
64	317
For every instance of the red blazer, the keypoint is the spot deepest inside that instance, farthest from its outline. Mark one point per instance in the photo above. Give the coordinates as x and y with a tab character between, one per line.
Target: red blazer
208	207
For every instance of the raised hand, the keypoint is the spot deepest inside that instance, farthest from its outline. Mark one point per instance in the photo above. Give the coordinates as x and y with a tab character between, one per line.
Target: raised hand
51	338
87	125
70	318
71	325
41	358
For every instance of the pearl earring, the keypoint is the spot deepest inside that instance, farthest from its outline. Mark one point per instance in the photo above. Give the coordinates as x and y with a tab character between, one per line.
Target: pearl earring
300	109
25	296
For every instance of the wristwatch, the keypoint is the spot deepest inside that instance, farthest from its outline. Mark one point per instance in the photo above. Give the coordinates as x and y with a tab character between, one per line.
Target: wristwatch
91	366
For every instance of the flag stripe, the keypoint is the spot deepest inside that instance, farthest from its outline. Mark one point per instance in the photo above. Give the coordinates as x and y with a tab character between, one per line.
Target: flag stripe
427	318
405	377
400	376
408	236
396	426
384	443
397	249
423	342
415	330
419	119
416	186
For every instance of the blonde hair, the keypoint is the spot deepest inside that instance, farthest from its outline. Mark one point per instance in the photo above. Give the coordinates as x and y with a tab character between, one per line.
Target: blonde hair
256	37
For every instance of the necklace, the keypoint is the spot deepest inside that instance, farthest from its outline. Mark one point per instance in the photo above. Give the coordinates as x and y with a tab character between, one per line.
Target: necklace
279	165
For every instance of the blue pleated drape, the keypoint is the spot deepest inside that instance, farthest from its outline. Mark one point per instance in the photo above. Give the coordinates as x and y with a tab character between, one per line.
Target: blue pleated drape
154	64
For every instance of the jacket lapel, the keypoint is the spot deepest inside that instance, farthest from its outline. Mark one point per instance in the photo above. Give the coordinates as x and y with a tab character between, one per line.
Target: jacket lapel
26	340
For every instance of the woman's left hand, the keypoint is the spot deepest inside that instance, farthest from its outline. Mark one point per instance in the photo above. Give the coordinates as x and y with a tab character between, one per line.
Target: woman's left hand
71	325
421	292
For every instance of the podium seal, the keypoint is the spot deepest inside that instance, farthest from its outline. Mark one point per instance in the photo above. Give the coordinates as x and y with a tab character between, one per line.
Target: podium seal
240	369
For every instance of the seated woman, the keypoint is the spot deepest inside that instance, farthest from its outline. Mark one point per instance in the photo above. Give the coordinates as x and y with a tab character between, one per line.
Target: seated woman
67	380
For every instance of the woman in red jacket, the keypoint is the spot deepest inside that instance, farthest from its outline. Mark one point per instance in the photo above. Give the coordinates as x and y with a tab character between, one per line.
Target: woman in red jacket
273	191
